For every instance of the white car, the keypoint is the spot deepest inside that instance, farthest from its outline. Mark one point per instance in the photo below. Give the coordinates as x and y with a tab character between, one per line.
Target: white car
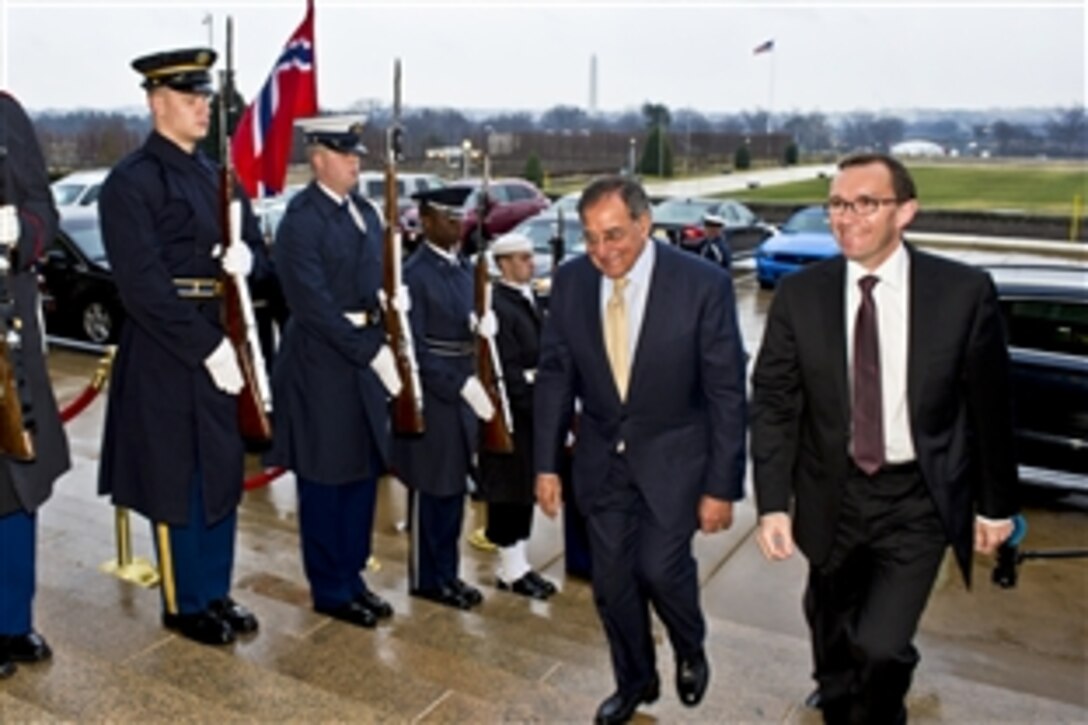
79	188
372	186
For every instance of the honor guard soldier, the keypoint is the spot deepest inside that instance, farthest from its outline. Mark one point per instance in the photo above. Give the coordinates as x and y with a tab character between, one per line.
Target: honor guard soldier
714	248
435	466
28	223
172	449
334	371
506	479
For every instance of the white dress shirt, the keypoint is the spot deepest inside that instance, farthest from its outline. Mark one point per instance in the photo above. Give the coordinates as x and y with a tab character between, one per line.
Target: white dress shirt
634	297
892	298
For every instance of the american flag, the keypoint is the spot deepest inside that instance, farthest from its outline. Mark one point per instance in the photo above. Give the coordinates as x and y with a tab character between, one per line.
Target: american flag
765	47
262	140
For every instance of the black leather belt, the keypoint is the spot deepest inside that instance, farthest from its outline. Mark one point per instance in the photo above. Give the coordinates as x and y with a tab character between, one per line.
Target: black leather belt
449	348
892	469
198	288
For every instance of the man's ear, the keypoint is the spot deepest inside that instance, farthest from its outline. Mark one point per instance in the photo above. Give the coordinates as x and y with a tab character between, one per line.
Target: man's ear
904	213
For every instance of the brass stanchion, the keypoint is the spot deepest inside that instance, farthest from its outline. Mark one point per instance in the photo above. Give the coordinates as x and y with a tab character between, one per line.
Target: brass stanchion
135	570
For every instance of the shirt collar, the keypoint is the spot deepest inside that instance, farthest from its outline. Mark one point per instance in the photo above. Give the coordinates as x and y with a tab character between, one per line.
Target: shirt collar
639	274
444	254
338	200
891	272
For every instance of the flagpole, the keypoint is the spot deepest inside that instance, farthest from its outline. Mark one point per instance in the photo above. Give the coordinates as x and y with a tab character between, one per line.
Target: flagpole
770	101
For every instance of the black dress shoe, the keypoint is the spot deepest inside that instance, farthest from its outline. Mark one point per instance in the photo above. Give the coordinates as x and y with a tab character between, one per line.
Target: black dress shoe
240	619
530	585
29	647
443	595
469	593
620	708
7	667
377	606
692	676
352	613
815	700
202	627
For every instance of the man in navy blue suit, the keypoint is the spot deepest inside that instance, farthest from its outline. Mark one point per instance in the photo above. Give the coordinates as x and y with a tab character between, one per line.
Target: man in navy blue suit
646	337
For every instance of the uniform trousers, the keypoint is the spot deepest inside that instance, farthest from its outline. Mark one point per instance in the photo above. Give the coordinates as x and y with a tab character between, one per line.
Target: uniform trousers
200	555
863	605
335	525
436	529
18	530
636	562
508	523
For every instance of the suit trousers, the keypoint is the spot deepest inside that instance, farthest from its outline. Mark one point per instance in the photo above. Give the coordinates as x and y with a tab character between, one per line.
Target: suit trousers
636	562
17	549
201	553
335	522
435	530
863	605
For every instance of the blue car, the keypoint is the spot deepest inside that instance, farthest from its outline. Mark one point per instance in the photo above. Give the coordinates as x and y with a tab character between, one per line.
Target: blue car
804	238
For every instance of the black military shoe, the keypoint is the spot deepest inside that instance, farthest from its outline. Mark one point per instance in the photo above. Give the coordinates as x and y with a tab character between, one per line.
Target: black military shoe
202	627
619	708
692	676
443	595
7	667
352	613
815	700
468	592
377	606
29	647
530	585
240	619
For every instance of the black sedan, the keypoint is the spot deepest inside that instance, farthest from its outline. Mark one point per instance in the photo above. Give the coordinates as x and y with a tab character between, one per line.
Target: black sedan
1046	315
79	296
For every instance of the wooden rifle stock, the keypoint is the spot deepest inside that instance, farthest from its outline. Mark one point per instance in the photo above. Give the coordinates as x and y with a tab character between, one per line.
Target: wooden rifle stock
15	416
406	409
237	308
494	433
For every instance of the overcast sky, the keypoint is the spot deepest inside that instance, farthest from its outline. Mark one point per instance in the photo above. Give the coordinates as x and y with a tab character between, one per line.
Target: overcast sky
533	55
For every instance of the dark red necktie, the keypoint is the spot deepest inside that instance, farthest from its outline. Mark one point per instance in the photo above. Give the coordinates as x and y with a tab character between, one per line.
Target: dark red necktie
867	414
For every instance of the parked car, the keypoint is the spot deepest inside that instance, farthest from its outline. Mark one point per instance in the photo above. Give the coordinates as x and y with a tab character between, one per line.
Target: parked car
79	296
1046	317
372	186
512	202
80	188
804	238
680	221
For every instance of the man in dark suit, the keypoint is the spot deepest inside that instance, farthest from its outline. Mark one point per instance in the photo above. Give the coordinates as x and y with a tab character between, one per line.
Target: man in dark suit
881	408
28	223
646	337
333	372
171	447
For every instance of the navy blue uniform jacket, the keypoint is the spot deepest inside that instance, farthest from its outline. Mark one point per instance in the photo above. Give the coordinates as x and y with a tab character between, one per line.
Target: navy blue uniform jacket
683	423
331	413
437	462
159	211
27	187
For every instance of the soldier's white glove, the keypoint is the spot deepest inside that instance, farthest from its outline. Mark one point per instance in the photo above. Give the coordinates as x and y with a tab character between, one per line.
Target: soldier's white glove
402	300
486	327
474	394
385	365
237	259
222	365
9	225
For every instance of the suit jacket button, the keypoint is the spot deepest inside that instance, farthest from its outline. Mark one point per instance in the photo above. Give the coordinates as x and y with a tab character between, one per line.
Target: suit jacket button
621	447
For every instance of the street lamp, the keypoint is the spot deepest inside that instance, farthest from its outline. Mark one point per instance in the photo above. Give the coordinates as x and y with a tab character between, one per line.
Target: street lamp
466	151
631	157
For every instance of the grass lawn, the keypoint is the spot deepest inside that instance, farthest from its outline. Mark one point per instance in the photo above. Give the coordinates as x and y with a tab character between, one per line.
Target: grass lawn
1032	189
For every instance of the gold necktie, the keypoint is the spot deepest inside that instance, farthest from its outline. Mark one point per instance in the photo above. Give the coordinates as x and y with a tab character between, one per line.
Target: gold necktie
615	336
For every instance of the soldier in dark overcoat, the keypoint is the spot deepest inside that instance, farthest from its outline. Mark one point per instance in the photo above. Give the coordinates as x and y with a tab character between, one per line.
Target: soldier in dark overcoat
28	223
171	448
506	479
435	466
331	412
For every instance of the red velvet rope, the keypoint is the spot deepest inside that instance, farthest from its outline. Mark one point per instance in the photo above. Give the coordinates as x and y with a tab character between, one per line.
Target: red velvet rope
265	477
80	404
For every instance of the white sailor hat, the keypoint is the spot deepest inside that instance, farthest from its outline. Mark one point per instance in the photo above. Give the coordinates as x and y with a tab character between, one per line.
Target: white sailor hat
512	243
713	220
339	133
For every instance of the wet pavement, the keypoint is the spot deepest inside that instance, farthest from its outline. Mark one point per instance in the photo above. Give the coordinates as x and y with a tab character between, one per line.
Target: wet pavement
988	655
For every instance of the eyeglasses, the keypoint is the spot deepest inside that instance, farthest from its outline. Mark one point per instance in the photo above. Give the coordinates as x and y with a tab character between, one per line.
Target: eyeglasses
863	205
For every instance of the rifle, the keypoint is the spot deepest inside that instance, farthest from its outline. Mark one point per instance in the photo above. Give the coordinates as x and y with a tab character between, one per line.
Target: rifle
16	412
559	241
407	407
255	399
495	434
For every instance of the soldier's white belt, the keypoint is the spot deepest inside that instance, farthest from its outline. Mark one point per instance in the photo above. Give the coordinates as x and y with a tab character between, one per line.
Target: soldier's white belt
198	288
363	318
